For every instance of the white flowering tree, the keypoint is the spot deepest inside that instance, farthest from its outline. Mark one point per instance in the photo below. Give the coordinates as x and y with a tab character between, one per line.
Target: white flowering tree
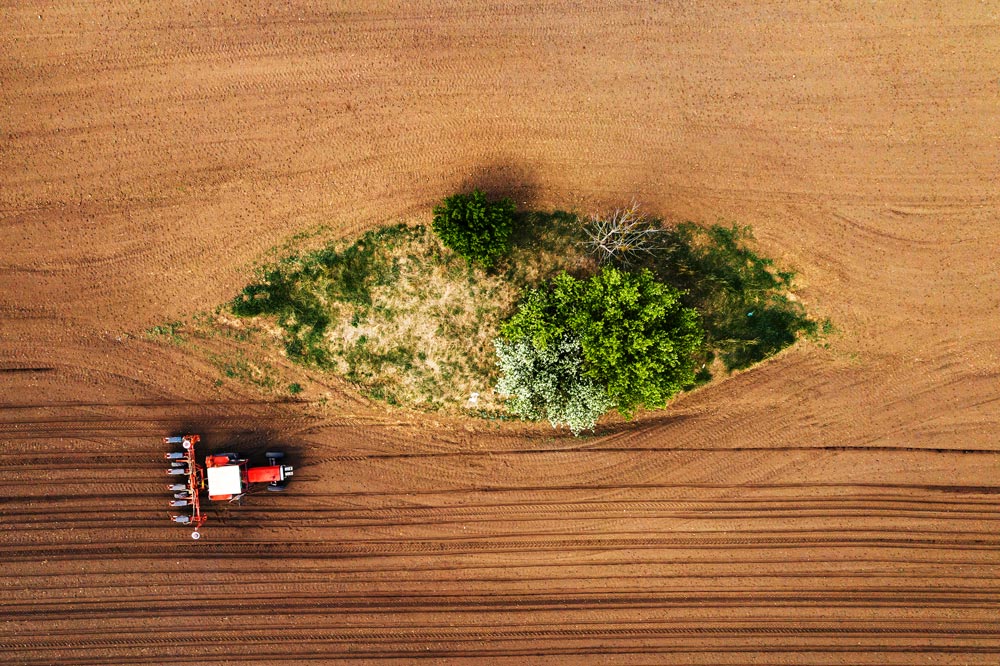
549	383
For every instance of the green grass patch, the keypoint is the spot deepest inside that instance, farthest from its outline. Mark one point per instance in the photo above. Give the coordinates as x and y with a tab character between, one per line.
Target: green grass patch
171	332
242	368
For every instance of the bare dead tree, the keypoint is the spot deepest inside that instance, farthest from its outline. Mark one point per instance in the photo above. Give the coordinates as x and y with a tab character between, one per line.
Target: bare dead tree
622	236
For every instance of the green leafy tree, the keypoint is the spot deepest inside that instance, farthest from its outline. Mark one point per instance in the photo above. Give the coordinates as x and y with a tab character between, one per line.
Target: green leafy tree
637	340
549	383
475	228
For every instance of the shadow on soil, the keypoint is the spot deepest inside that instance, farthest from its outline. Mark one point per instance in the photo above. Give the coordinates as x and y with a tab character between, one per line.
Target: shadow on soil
251	441
502	179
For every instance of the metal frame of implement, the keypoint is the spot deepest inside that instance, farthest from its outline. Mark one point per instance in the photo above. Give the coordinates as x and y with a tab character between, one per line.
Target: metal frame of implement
193	481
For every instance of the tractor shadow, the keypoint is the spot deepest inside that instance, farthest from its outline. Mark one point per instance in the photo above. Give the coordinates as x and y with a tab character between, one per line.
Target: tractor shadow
251	441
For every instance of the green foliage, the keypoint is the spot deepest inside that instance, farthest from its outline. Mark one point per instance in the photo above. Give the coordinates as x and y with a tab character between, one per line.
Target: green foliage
638	341
298	291
171	331
549	383
475	228
398	314
744	302
295	388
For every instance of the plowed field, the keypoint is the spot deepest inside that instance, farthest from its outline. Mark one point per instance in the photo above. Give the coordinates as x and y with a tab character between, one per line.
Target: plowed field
837	505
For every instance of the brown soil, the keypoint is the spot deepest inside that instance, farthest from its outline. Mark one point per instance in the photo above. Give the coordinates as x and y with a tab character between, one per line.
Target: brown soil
835	506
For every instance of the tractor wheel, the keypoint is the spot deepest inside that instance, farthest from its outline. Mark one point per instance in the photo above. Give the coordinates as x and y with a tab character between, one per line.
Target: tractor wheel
279	488
274	455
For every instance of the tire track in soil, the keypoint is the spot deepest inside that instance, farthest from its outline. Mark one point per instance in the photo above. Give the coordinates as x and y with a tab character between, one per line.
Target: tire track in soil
365	548
419	602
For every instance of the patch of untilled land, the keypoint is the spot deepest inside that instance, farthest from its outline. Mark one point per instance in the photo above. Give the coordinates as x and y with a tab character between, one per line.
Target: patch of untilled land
406	320
832	506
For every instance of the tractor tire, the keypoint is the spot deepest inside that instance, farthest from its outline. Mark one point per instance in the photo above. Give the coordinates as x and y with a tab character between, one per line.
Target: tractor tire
280	488
274	455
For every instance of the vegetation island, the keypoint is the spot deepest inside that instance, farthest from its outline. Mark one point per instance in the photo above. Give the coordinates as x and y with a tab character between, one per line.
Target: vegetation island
500	313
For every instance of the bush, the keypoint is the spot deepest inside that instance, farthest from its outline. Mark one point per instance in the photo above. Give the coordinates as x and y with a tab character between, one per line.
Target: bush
474	227
549	383
637	340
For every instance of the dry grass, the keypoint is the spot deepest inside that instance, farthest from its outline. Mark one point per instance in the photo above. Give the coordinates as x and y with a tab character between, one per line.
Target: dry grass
426	338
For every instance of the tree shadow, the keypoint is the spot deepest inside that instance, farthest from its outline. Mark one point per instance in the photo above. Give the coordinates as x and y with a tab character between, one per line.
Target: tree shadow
747	310
499	180
649	421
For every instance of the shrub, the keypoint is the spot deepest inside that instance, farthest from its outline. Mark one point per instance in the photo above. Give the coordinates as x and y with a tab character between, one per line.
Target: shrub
549	383
475	228
637	340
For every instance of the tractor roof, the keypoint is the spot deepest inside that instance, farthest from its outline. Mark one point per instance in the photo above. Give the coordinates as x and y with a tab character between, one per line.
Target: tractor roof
225	480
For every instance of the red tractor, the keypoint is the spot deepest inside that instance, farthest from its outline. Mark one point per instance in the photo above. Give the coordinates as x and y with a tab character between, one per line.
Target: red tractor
226	476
